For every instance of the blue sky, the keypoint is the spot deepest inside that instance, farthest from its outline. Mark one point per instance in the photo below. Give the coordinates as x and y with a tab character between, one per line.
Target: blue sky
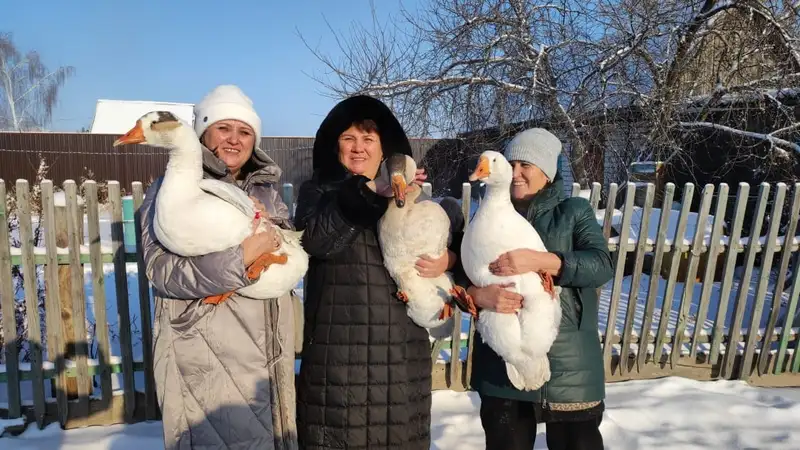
178	50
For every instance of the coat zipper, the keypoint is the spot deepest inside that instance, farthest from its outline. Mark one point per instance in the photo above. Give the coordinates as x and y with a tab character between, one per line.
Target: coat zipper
544	397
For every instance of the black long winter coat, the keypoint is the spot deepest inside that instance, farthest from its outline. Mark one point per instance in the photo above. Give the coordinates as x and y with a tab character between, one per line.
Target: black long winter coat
365	378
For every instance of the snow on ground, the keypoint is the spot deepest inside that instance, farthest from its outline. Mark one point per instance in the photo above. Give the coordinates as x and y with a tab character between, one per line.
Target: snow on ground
670	413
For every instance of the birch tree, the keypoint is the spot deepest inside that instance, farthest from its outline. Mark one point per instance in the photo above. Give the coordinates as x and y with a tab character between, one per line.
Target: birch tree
456	66
28	89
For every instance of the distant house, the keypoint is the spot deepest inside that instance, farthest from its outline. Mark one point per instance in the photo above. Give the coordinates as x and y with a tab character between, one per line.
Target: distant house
118	116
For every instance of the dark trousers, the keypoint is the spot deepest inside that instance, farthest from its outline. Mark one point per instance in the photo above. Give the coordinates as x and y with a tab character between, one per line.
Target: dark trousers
511	425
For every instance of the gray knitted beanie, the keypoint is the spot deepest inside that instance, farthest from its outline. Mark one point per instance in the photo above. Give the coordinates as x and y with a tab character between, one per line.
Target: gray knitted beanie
536	146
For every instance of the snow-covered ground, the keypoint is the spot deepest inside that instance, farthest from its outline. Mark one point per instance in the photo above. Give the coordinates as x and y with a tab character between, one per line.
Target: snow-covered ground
670	413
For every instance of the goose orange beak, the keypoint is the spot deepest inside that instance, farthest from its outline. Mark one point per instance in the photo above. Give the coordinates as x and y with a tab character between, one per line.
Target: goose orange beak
134	136
481	171
399	186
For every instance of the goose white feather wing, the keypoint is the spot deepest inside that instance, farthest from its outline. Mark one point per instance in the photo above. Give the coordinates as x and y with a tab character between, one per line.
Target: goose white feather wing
424	229
230	193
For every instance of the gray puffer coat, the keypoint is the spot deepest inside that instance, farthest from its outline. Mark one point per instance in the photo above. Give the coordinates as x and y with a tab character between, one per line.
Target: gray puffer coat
224	374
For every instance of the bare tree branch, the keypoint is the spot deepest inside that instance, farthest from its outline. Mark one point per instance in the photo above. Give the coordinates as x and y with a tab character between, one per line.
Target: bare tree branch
582	69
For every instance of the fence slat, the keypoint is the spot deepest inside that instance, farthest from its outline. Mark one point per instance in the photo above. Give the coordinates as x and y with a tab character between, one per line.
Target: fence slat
436	349
7	303
151	407
98	289
427	188
470	347
52	303
619	272
466	204
78	299
608	217
594	196
633	297
609	213
796	356
727	279
455	350
652	288
669	293
787	326
767	254
287	195
712	254
695	253
576	190
455	342
744	284
28	241
466	200
783	268
123	311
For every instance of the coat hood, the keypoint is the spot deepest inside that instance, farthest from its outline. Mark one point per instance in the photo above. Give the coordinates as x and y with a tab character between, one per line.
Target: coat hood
327	167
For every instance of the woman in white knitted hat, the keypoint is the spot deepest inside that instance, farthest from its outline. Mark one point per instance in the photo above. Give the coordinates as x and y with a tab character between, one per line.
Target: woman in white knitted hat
571	402
224	371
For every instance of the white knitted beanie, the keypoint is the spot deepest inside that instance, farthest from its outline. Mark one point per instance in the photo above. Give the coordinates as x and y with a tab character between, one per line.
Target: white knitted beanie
226	102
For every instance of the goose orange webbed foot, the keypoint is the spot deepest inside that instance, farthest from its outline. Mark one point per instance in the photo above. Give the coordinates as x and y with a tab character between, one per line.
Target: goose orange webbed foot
263	262
464	300
402	296
253	271
217	299
447	311
548	284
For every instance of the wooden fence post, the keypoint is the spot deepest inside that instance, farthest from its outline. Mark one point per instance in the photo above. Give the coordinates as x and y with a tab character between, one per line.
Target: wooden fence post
65	298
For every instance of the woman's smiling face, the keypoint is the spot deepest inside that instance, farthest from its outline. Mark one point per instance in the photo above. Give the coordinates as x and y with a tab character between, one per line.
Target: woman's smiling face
360	149
232	141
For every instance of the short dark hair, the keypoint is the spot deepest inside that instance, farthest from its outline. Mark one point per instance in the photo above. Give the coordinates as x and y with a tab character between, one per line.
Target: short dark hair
367	126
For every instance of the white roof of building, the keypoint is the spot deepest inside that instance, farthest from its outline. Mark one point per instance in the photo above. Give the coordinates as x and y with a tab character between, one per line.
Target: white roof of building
119	116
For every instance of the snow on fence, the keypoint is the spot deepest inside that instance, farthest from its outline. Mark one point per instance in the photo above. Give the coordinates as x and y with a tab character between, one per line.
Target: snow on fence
686	288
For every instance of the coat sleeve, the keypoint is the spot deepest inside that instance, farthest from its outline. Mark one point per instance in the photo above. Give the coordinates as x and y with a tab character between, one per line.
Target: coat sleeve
331	219
192	277
589	264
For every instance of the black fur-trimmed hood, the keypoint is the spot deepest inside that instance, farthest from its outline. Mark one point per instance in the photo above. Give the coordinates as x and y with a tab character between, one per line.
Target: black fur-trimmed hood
327	167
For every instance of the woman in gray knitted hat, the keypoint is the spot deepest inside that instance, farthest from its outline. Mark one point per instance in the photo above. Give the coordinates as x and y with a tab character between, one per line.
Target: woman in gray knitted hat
571	403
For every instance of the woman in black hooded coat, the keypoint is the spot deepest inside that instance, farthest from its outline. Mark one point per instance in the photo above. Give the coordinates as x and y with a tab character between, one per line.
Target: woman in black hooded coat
365	377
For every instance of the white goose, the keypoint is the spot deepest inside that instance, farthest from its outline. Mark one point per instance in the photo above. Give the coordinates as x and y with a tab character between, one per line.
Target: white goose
408	229
196	216
521	339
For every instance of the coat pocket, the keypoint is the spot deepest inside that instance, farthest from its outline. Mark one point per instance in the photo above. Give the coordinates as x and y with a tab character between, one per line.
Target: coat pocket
184	314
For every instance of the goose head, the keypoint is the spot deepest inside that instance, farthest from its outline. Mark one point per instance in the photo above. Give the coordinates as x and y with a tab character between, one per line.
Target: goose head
159	129
400	170
493	169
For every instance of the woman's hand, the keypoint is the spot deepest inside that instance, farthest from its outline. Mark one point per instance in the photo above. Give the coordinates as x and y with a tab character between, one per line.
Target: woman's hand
256	245
515	262
428	267
524	260
496	297
420	177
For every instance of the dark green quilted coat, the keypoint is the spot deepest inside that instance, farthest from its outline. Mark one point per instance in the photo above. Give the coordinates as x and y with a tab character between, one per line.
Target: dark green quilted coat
569	229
